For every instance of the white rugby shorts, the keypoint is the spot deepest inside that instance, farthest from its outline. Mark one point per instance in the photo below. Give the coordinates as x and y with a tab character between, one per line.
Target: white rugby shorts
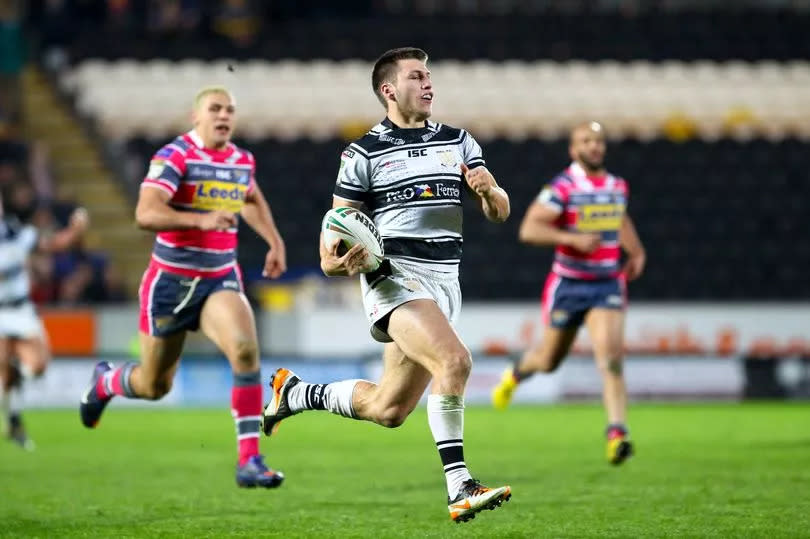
397	282
21	322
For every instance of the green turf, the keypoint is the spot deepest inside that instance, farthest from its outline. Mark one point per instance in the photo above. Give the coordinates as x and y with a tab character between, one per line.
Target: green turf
701	471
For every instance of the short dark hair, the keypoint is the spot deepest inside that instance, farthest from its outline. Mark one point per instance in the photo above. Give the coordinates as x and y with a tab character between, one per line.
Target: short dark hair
385	66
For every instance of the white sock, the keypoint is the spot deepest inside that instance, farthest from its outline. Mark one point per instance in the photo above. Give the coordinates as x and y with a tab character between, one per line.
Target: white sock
335	397
446	420
26	372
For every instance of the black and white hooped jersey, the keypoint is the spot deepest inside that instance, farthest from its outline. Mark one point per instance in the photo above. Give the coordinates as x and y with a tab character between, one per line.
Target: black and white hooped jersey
16	242
410	180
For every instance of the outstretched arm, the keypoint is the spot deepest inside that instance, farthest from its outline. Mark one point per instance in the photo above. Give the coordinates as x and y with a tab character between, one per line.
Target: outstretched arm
67	237
494	200
258	215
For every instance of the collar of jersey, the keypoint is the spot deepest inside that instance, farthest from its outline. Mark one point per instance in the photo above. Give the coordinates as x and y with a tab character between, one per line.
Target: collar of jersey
391	125
197	140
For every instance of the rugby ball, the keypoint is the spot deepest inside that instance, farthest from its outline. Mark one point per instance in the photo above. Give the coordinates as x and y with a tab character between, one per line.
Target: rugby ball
351	226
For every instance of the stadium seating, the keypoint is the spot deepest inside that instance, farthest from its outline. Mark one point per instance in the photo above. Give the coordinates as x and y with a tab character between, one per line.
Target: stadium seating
321	98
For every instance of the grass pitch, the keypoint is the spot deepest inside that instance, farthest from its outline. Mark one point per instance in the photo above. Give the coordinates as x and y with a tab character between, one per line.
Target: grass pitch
719	470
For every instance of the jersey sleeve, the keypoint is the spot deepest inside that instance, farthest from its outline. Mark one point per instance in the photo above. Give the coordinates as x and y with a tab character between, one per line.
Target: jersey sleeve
252	186
625	190
471	151
354	176
555	194
166	169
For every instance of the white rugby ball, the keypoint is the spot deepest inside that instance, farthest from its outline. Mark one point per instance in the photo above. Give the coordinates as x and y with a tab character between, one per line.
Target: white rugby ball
352	226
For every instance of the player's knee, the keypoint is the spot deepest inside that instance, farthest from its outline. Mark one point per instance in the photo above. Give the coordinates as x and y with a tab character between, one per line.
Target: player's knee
246	353
458	364
613	366
156	389
393	416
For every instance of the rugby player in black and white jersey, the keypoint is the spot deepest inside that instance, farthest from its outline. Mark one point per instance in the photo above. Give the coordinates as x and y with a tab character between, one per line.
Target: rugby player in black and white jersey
410	175
21	333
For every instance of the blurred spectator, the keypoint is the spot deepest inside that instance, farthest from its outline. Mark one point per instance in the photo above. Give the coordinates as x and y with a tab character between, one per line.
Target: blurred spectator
44	288
56	25
173	16
12	59
239	21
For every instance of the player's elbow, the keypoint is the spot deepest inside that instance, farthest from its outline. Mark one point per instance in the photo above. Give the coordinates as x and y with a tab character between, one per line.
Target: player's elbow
524	234
141	221
143	218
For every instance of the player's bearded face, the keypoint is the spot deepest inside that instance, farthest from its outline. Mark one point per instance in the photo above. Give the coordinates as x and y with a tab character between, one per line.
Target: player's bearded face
414	90
215	119
589	148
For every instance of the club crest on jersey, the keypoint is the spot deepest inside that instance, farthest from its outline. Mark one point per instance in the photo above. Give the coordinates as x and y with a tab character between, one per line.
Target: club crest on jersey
447	158
424	191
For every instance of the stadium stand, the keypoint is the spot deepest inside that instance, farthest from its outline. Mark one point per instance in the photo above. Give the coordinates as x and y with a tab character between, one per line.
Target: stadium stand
707	113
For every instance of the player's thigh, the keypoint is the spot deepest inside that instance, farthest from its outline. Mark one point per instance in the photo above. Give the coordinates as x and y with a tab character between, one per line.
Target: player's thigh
228	321
403	380
33	352
423	333
606	330
160	356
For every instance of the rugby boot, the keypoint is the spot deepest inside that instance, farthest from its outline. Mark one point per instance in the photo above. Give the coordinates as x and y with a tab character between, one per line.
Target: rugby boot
619	447
91	405
475	497
255	473
277	409
502	393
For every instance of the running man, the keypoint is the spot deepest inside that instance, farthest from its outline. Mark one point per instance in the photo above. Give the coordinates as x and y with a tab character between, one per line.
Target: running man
195	188
410	175
21	333
583	212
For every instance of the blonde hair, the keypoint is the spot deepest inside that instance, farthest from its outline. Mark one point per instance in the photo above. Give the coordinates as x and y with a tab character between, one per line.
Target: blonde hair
208	90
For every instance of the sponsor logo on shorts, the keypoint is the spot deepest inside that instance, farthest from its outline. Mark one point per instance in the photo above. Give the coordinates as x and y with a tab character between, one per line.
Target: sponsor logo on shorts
230	284
412	285
614	299
558	316
162	321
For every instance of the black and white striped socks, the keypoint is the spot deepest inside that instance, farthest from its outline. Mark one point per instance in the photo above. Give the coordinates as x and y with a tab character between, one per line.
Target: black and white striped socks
446	419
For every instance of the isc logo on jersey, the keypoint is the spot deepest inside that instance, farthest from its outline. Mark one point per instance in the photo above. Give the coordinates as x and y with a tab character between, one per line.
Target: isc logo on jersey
217	195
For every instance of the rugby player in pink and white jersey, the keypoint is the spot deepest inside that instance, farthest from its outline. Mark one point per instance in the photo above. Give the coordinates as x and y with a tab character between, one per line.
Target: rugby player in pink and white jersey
583	213
194	190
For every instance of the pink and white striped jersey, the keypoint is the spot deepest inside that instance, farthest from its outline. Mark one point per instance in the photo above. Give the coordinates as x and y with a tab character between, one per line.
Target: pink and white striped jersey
200	179
587	204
